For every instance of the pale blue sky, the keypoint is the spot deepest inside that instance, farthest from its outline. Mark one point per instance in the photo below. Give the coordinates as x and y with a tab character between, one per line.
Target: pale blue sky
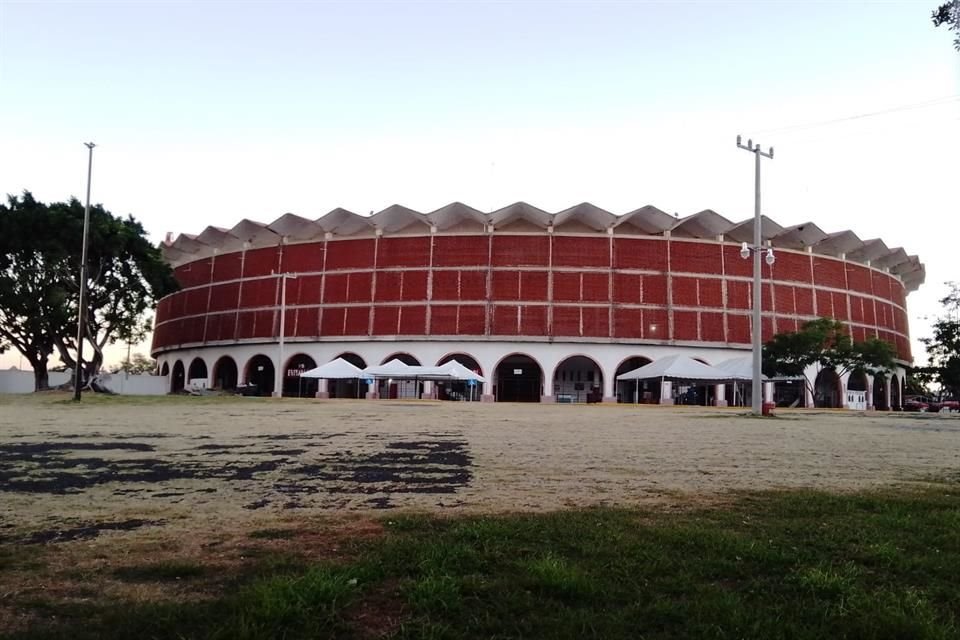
208	112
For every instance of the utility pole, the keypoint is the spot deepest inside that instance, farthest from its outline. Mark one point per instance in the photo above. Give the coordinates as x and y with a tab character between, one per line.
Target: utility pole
280	373
756	396
82	318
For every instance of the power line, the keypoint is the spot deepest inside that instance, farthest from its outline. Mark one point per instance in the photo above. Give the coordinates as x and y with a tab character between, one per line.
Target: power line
907	107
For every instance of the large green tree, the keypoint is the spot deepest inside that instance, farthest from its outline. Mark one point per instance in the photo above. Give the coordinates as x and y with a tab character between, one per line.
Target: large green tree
949	14
40	248
943	349
826	344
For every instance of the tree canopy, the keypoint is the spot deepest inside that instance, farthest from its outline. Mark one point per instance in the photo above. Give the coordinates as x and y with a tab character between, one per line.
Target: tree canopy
826	343
949	14
943	349
40	247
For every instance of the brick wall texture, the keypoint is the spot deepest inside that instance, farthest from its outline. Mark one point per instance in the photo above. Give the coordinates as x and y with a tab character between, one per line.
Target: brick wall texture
598	287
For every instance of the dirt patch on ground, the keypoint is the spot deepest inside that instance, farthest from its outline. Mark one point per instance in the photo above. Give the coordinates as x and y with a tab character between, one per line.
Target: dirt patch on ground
171	463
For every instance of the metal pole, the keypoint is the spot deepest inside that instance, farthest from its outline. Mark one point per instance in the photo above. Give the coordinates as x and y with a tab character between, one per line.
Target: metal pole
756	394
81	318
280	374
757	391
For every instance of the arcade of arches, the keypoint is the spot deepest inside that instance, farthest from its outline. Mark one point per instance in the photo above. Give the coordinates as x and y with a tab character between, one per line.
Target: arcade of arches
519	377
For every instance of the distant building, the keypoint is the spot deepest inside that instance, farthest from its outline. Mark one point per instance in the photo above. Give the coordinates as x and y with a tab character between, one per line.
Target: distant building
548	307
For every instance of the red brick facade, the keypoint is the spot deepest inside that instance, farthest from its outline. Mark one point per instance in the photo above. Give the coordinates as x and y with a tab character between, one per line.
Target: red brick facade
603	288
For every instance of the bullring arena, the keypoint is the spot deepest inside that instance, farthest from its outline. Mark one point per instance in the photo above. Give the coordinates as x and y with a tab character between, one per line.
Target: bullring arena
548	307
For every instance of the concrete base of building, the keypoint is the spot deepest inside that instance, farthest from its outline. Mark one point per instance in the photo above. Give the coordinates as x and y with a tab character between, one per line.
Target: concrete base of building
322	395
720	403
546	398
372	395
487	397
666	400
609	400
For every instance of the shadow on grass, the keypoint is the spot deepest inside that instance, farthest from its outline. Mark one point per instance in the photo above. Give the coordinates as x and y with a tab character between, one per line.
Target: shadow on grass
770	565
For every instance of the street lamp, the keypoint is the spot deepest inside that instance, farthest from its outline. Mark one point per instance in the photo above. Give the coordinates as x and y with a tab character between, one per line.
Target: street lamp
81	318
756	249
279	376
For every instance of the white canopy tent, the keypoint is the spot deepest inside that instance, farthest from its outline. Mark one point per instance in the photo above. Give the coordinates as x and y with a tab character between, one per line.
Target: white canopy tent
460	372
678	368
452	371
739	368
338	369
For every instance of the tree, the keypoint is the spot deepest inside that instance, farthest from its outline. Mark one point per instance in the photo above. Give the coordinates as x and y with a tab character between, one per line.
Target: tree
943	349
138	364
39	292
33	269
949	14
827	344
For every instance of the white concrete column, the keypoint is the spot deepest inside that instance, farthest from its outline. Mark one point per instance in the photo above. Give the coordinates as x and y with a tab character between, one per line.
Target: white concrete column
720	395
323	389
609	385
768	392
429	389
870	406
666	392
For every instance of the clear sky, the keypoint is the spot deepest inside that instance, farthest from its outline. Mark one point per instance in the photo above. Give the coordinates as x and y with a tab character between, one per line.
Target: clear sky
207	112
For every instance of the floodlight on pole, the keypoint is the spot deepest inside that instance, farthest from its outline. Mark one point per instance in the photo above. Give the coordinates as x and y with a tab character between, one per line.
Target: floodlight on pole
280	374
745	251
82	307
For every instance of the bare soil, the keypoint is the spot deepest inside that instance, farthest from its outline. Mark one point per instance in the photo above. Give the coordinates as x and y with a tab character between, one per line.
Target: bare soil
71	472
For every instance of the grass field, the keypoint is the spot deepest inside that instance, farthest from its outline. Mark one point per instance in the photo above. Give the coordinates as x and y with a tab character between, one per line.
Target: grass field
227	518
770	565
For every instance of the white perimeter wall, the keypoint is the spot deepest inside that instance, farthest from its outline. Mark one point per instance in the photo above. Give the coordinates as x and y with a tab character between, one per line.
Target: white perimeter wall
12	381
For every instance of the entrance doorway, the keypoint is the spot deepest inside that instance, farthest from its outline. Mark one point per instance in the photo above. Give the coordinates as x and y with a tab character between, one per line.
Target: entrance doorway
225	374
260	374
578	379
296	386
518	378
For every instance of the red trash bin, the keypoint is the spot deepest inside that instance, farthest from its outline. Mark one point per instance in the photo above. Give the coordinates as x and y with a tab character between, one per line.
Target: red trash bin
768	408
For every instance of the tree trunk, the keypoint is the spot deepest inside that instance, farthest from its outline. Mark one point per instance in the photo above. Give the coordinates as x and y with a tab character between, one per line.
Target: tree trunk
41	378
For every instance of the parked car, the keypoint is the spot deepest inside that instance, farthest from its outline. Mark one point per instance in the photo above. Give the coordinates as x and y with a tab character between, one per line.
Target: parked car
916	403
937	405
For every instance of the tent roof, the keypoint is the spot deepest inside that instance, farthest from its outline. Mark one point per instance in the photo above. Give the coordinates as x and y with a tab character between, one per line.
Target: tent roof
333	370
677	368
739	368
460	372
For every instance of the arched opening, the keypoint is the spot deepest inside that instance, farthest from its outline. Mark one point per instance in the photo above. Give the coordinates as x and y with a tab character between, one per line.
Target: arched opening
636	391
880	393
461	389
857	381
225	374
786	393
389	388
197	370
895	403
349	388
518	378
165	370
294	384
826	390
177	381
259	375
578	379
